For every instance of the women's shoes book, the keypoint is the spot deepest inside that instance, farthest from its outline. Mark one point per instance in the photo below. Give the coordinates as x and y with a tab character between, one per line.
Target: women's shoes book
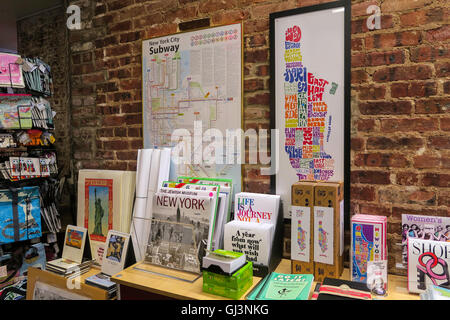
428	264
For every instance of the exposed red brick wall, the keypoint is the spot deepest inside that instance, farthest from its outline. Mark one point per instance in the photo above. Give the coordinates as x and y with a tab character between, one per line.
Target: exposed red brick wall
400	93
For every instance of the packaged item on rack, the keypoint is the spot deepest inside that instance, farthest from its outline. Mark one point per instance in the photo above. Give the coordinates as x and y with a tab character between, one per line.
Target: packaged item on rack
20	214
220	207
37	75
7	141
15	111
34	257
11	70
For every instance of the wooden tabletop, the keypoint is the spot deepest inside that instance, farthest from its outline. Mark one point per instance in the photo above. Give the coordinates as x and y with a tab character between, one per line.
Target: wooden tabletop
58	281
397	285
135	277
178	289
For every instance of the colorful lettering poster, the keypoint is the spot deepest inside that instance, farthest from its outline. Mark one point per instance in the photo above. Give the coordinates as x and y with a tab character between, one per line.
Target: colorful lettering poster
309	102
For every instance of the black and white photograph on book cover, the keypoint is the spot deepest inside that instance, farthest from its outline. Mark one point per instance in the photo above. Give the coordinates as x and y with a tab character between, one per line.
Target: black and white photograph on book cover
180	218
173	245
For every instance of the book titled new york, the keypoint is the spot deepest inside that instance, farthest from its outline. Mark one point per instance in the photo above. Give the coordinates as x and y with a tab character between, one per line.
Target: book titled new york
281	286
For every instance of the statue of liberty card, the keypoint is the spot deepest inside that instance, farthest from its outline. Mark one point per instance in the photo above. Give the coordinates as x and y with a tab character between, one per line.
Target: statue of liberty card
98	218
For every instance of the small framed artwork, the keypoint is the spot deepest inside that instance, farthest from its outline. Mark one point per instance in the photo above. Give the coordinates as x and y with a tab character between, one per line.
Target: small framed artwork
310	96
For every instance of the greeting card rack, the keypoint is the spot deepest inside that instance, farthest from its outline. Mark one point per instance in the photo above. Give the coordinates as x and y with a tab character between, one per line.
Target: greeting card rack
27	137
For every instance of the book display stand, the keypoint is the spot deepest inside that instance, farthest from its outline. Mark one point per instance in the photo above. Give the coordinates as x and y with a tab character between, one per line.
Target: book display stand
171	251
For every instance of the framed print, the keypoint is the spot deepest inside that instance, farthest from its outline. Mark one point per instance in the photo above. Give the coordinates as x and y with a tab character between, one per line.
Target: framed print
193	81
310	96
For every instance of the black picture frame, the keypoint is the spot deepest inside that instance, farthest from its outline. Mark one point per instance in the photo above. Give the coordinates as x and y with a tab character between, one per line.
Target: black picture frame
346	4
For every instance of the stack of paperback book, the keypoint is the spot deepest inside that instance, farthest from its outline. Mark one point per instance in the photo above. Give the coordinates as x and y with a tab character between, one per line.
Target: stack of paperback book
68	268
227	274
74	261
104	282
117	250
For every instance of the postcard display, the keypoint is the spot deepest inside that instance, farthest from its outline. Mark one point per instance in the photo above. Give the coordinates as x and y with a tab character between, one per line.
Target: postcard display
256	230
28	188
119	255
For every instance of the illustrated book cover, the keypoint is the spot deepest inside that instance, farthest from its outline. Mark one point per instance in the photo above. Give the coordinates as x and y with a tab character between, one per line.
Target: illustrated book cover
256	207
428	264
281	286
423	227
368	243
180	230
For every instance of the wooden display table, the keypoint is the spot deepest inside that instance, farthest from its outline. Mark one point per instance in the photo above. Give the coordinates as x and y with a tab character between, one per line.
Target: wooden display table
139	285
397	285
136	284
55	280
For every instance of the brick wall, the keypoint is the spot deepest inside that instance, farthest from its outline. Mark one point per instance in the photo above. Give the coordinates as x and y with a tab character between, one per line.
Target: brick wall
45	36
400	94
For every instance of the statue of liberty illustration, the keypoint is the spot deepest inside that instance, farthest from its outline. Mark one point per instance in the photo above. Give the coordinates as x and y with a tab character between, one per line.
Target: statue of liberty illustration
306	121
323	239
301	236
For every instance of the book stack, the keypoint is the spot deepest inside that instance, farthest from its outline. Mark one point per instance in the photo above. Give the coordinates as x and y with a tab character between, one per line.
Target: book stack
104	282
68	268
117	250
75	259
227	274
253	229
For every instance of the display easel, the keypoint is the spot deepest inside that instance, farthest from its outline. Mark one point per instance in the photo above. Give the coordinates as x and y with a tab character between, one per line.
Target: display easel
147	265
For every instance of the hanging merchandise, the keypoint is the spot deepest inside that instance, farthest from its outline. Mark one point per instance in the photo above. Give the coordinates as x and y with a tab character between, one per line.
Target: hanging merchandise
20	214
37	75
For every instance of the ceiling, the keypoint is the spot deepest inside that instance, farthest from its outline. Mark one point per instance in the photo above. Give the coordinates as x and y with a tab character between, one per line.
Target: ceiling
23	8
